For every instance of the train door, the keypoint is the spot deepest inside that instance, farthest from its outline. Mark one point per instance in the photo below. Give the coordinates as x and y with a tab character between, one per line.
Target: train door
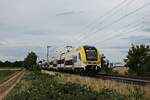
77	64
55	64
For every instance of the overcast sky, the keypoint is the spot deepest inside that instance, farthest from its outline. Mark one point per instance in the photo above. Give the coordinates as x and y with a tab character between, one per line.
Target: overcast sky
110	25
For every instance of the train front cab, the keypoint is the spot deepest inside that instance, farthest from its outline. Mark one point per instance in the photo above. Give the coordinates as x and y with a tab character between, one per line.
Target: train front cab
90	58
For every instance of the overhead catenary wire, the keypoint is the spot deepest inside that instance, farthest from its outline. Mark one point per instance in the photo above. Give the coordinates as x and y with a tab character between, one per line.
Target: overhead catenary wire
111	11
126	15
106	17
106	12
118	20
118	35
131	25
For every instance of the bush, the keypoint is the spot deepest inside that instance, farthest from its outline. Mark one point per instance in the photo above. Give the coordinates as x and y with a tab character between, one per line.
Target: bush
105	65
35	67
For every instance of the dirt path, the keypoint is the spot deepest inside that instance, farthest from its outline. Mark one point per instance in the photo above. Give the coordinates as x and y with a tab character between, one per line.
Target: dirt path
12	69
8	85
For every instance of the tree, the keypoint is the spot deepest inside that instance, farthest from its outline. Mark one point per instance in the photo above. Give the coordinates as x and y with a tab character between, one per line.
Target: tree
18	63
146	65
104	64
30	60
1	64
8	64
138	59
11	64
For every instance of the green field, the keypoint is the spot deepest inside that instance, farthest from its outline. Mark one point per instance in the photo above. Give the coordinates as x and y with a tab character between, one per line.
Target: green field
5	74
38	86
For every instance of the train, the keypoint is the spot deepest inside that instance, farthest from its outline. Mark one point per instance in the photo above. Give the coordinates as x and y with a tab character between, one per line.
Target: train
83	59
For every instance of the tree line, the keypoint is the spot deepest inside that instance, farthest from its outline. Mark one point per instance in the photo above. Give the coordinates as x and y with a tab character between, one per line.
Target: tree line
137	60
11	64
28	62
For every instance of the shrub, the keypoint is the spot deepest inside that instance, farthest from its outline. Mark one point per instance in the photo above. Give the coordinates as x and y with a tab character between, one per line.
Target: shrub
35	67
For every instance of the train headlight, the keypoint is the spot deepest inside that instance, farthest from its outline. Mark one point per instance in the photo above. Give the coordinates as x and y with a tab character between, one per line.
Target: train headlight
99	65
84	62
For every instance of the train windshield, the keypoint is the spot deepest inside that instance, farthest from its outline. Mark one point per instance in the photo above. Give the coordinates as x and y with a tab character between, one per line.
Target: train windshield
91	53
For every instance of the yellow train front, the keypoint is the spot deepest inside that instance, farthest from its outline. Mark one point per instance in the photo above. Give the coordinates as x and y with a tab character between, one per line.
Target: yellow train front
90	58
83	59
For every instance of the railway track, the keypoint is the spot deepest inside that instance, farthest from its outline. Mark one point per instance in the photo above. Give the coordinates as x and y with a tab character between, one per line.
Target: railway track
118	78
124	79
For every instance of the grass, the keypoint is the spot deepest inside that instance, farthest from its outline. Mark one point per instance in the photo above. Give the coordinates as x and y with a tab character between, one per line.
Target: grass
5	74
121	70
99	84
50	86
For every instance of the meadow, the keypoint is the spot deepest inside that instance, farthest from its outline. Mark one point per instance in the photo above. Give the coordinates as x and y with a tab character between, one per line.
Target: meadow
129	90
6	74
56	86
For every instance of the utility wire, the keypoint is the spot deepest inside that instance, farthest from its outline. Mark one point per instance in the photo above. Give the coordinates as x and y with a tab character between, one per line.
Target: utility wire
106	13
136	22
118	35
106	18
116	21
126	15
93	22
121	18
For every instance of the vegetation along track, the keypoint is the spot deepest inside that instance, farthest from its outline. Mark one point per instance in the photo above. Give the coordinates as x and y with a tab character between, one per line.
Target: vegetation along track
118	78
9	84
125	79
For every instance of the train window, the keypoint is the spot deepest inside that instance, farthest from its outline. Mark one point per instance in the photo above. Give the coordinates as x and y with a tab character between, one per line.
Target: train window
74	58
68	62
51	63
62	61
58	61
79	56
55	65
91	55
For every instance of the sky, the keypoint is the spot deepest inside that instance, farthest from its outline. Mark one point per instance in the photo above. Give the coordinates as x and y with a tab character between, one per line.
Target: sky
110	25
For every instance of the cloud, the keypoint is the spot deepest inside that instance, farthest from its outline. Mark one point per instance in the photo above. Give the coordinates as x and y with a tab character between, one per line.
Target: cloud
68	13
146	29
35	23
139	38
19	53
2	43
116	47
35	32
65	13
